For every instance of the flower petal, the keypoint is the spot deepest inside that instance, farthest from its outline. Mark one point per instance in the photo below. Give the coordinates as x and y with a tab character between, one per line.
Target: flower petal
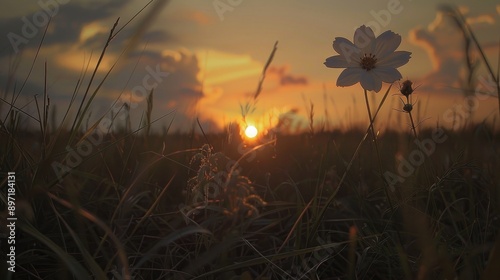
387	74
395	59
349	77
370	81
364	38
346	49
386	43
336	61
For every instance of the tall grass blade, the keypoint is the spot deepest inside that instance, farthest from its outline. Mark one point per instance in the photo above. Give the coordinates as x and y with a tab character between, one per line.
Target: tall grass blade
71	263
263	75
167	241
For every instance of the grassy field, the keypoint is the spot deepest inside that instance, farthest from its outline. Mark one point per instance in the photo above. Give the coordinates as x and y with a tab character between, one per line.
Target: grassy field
100	203
175	207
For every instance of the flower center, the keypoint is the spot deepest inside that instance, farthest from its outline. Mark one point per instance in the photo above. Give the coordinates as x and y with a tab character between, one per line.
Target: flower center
368	61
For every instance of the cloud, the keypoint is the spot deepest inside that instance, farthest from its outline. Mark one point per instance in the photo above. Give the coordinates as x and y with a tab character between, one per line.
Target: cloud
79	31
86	24
157	36
65	26
489	19
195	16
444	43
180	91
285	78
293	80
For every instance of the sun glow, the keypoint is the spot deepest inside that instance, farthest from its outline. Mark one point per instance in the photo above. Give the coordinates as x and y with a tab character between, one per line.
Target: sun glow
251	131
90	30
222	67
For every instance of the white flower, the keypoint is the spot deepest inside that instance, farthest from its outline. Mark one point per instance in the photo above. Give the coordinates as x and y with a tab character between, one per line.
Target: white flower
369	60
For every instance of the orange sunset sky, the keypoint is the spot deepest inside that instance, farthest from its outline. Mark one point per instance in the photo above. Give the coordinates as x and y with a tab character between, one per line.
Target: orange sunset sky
214	52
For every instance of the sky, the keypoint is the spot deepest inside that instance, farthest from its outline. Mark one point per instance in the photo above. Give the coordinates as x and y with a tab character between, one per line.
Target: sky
204	60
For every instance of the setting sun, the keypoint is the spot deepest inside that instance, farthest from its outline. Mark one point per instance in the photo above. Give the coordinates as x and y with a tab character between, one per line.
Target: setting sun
251	131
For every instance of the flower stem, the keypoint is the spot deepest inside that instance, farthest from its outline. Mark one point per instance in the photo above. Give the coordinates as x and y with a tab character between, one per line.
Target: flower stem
370	116
413	128
348	168
372	129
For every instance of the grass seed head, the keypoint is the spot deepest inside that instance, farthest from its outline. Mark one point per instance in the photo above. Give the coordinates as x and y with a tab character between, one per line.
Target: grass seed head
408	107
406	89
